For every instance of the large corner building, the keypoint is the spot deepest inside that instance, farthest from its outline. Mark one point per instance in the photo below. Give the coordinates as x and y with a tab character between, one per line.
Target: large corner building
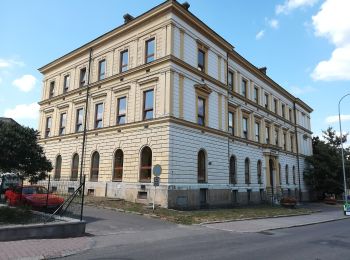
164	88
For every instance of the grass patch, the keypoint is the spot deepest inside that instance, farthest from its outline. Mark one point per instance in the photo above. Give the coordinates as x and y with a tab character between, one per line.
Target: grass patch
198	216
20	215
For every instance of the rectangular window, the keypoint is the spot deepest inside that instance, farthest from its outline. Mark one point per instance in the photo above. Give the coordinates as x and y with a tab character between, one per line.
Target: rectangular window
121	111
257	131
79	120
52	89
101	69
82	80
66	83
266	101
230	80
201	60
267	134
285	141
48	127
148	104
63	123
201	111
276	137
275	106
283	111
245	127
256	95
98	115
291	143
244	88
231	123
150	50
290	115
124	61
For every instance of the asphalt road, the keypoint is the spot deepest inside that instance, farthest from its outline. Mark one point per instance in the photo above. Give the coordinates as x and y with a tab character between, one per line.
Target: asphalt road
127	236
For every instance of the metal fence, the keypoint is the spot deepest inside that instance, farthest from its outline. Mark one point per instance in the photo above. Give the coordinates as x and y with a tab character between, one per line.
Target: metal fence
48	200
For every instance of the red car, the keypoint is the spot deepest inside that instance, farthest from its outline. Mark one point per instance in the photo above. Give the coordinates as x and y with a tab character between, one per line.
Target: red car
34	196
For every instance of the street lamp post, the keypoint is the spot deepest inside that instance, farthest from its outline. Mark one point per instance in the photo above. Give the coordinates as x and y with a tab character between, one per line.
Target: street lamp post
342	150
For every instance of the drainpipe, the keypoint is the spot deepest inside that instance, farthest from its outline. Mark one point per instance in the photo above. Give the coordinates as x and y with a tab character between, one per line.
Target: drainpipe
228	137
297	147
85	118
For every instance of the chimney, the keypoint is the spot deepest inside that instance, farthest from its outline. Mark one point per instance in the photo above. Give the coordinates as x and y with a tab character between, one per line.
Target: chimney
128	18
186	5
263	70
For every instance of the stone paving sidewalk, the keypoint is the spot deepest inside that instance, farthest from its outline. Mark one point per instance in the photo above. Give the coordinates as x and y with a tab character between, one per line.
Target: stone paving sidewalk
43	248
258	225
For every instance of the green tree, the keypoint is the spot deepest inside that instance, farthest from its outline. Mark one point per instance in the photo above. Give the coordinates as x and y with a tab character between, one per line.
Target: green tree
324	168
20	153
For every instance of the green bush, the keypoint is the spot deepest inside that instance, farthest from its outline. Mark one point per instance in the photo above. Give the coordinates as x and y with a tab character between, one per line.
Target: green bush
20	215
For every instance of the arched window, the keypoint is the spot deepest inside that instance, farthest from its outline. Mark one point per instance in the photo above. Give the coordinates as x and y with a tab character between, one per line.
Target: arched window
201	166
58	166
146	165
259	170
246	171
118	165
95	165
294	177
75	167
233	170
287	175
279	173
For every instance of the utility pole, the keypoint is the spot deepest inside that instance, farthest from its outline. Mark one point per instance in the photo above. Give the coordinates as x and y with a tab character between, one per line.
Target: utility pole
342	151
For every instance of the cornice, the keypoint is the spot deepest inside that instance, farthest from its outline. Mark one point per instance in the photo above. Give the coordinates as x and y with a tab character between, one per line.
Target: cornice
163	8
168	119
107	80
139	20
235	56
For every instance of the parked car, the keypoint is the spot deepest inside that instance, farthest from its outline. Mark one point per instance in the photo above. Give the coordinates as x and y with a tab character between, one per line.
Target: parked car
34	196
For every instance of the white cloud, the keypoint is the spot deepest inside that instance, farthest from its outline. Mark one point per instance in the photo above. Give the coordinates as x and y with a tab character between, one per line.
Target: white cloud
260	34
336	68
23	111
25	83
290	5
273	23
0	81
7	63
299	90
332	22
335	119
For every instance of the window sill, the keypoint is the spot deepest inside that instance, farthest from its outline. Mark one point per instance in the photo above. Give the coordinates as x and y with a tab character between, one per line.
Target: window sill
145	181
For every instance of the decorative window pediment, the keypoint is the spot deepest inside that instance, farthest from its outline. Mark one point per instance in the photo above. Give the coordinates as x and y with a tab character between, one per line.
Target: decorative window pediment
203	89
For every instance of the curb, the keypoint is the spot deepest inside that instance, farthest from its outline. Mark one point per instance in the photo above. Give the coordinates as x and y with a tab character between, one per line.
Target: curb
202	223
257	218
307	224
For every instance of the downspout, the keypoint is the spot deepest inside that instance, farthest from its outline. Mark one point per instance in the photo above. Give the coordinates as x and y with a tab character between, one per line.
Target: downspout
228	137
85	118
297	147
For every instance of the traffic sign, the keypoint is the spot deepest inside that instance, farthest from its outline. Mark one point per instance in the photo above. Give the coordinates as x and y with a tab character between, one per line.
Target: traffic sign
157	170
156	181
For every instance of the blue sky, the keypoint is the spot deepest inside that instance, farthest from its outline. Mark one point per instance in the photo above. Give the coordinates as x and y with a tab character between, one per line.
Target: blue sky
305	45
